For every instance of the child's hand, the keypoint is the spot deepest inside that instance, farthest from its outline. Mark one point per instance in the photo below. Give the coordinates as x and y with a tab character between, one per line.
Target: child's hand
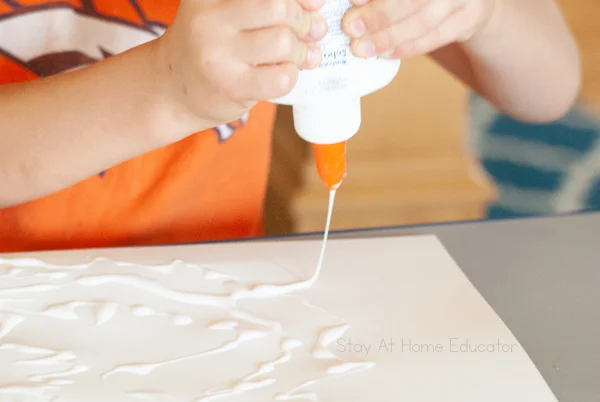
406	28
222	56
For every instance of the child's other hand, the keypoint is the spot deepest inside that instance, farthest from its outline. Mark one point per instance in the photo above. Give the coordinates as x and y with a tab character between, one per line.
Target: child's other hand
222	56
406	28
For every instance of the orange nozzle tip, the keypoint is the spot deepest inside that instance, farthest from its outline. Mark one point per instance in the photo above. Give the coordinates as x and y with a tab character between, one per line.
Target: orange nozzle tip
331	163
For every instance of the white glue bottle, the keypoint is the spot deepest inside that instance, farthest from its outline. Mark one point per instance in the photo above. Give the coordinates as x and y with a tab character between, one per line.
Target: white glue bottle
326	100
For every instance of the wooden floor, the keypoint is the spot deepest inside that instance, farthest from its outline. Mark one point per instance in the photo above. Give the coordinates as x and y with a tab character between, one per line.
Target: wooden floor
409	164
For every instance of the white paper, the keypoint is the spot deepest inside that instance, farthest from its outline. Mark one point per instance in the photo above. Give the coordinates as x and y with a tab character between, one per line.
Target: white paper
388	320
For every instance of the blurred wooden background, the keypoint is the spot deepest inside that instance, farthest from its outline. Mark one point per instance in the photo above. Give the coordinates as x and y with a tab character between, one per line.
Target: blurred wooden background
409	164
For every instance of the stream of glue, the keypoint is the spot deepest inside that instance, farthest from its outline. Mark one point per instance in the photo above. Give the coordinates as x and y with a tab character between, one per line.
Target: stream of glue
325	235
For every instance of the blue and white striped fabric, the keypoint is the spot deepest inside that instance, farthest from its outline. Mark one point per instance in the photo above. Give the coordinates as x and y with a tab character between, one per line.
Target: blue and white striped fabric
537	169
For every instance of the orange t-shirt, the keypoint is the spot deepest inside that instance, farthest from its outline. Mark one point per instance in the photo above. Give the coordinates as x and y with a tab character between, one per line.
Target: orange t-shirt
209	186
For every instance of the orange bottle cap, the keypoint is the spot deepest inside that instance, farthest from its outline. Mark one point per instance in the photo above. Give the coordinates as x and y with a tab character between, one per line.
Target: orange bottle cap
331	163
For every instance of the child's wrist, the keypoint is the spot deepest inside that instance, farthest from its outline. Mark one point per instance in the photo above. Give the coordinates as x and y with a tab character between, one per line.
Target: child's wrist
172	118
489	28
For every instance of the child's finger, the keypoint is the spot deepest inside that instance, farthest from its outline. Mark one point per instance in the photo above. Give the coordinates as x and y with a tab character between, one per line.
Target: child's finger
318	29
276	45
379	14
446	33
427	22
312	5
269	81
256	14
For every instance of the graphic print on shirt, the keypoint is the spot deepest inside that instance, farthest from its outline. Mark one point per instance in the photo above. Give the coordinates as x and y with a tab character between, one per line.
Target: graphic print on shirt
39	38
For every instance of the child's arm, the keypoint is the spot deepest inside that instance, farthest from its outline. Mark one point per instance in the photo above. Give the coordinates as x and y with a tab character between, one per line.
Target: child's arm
209	68
62	129
525	61
519	54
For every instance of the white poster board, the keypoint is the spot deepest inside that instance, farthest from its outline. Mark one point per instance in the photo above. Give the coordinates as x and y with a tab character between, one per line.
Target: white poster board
389	320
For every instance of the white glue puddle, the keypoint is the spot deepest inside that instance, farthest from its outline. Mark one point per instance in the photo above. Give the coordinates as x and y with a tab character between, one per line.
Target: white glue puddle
110	330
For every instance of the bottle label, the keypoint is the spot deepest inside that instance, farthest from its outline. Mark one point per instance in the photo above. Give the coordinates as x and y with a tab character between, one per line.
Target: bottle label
335	48
340	72
336	45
